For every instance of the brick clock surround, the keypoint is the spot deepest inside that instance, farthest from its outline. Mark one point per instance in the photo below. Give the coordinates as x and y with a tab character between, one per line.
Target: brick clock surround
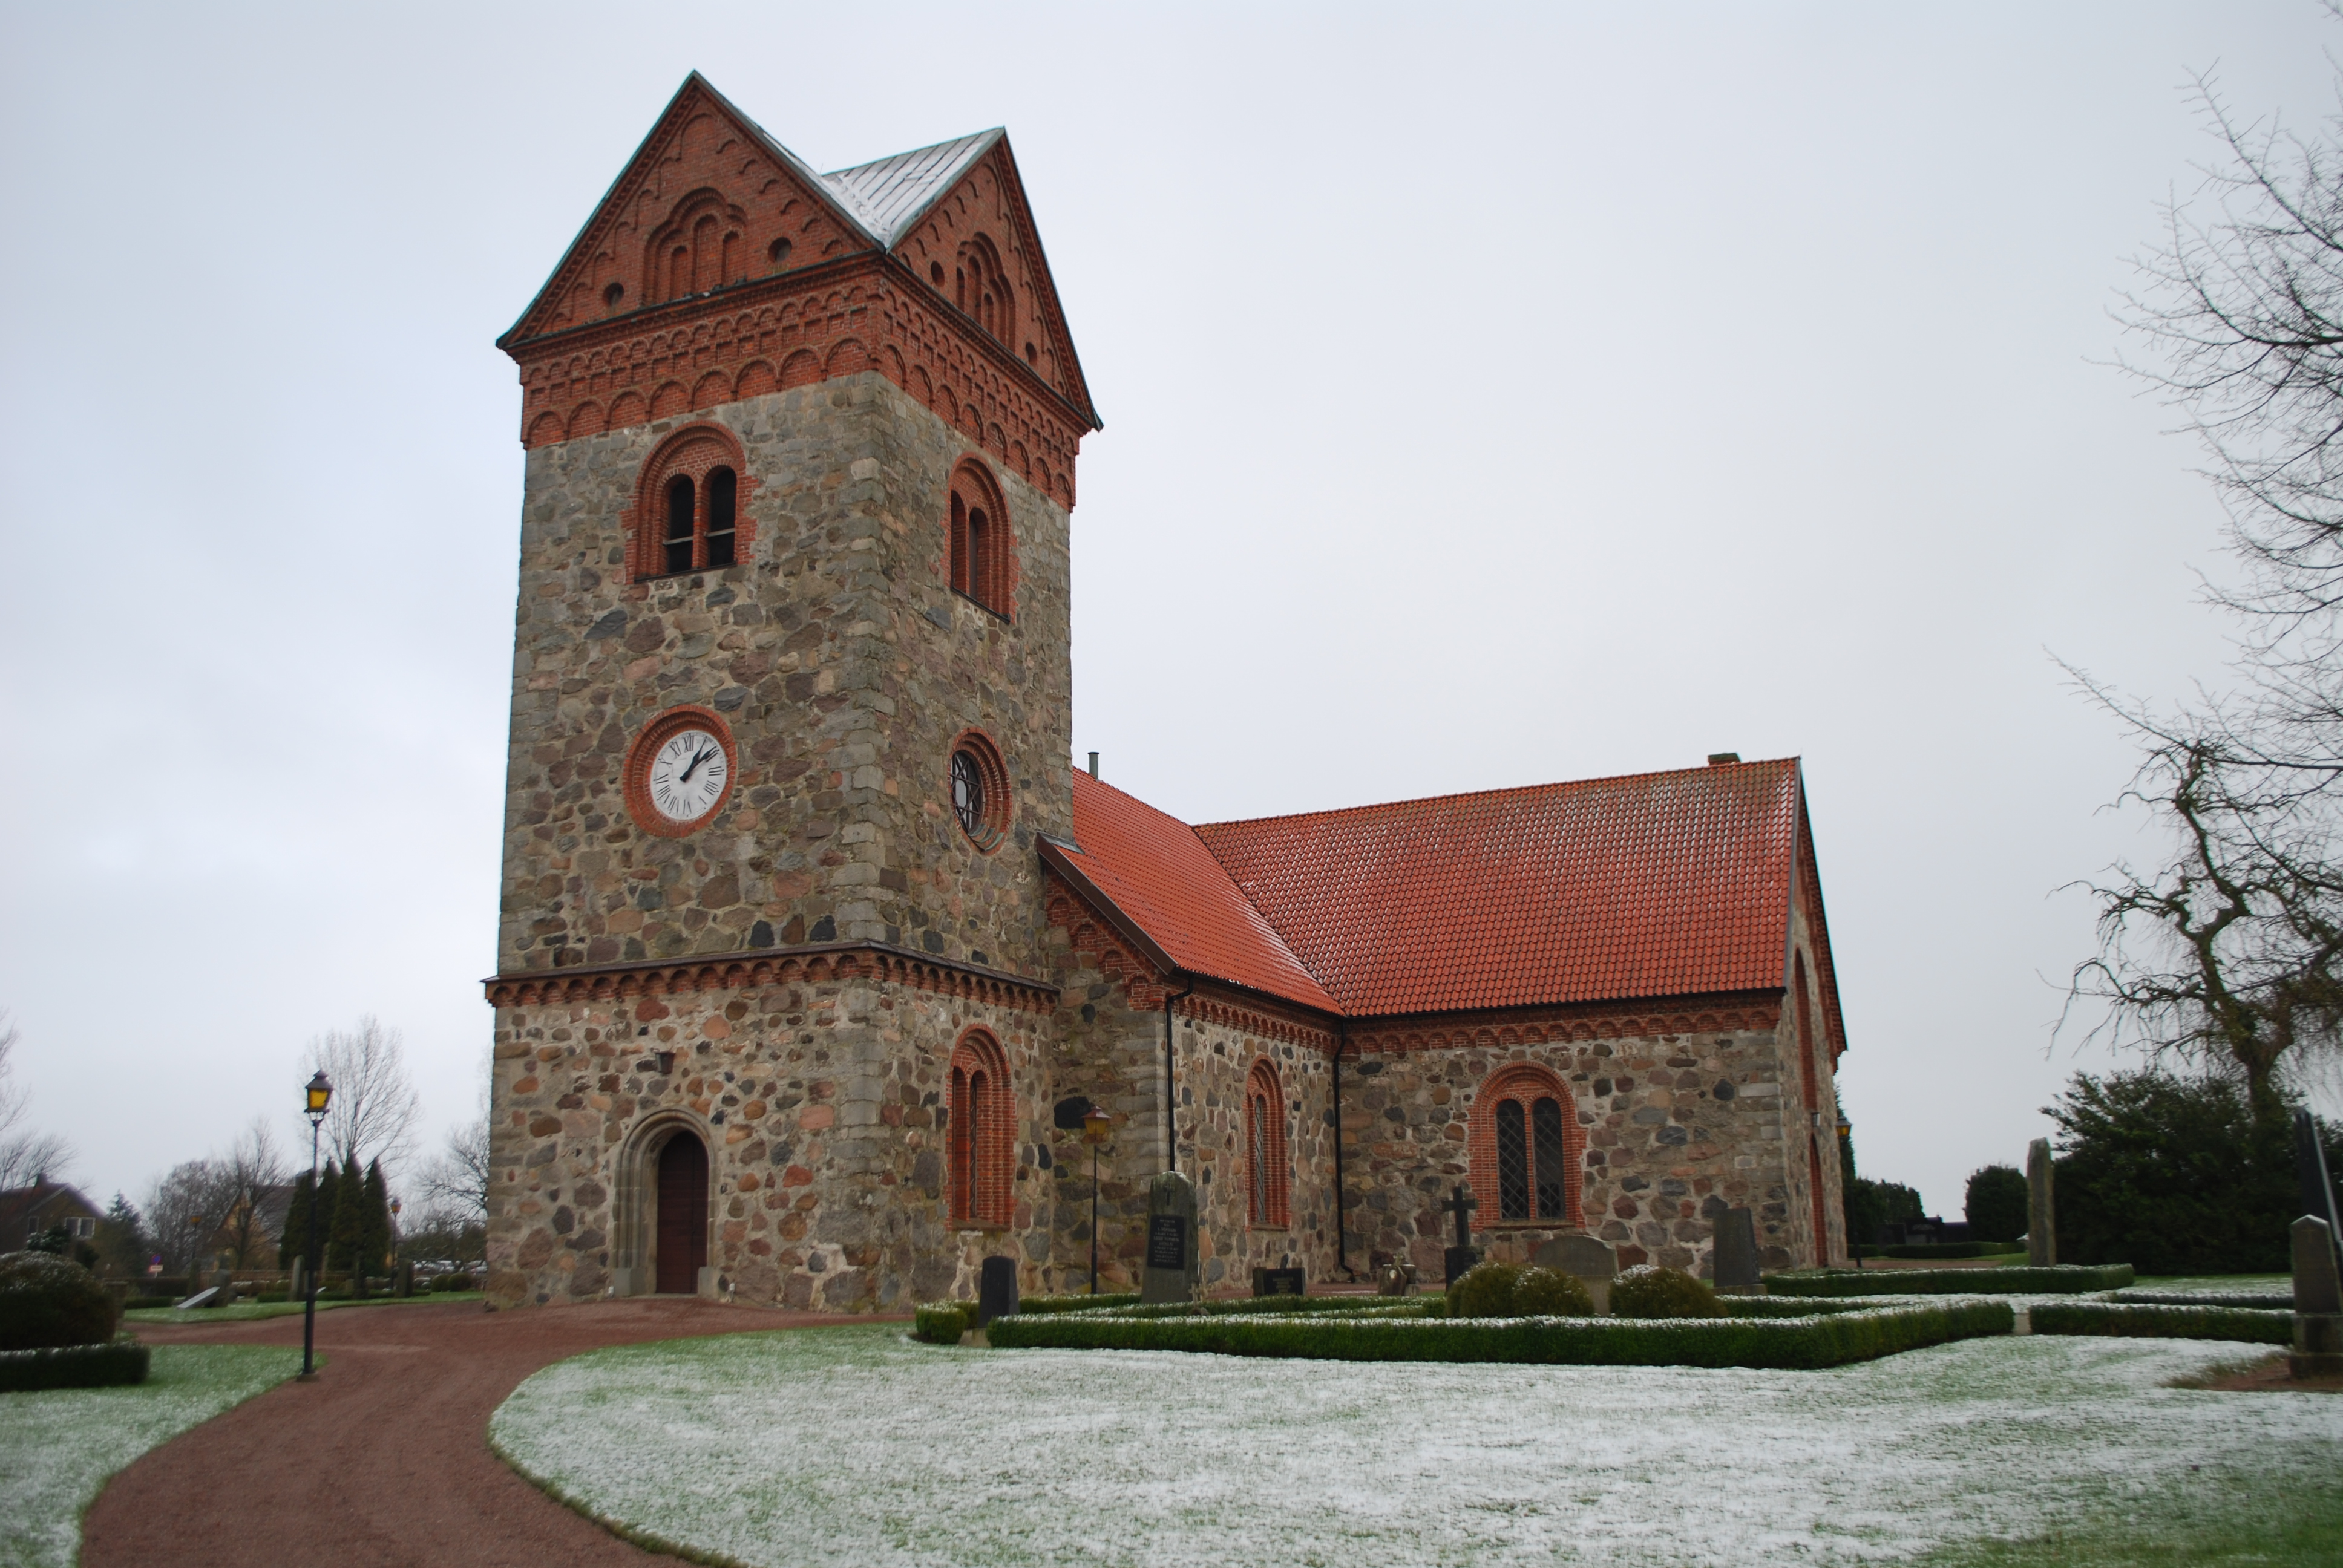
873	1017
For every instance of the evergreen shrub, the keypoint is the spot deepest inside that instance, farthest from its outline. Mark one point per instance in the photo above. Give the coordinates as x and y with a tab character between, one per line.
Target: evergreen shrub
1819	1340
1996	1204
447	1284
1485	1291
2139	1320
1649	1290
48	1302
1550	1293
941	1322
73	1366
2066	1280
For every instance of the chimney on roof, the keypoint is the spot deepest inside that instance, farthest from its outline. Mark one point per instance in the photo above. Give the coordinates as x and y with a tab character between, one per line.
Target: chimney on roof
1094	764
1719	759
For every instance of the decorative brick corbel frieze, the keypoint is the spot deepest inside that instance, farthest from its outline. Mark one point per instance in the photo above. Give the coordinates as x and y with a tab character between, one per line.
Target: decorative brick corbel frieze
1646	1019
813	964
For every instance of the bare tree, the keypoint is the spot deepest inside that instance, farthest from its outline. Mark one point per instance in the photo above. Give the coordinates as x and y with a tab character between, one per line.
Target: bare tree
373	1112
252	1173
183	1211
455	1183
2229	951
25	1154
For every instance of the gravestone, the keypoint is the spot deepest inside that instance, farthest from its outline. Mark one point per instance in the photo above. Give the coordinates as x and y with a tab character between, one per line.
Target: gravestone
2041	1213
1171	1273
2317	1348
1396	1280
1278	1283
1592	1263
1460	1257
1737	1253
2310	1170
996	1295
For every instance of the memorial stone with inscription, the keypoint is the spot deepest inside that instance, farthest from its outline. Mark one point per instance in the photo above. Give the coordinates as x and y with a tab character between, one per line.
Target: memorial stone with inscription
1592	1263
1172	1270
1736	1251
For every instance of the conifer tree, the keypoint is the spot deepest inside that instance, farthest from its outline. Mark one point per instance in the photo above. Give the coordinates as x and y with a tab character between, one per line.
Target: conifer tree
374	1238
296	1235
350	1227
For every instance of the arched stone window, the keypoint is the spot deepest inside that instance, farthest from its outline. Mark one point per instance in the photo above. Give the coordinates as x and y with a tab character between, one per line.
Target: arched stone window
982	551
1526	1148
1268	1165
980	790
689	514
983	1132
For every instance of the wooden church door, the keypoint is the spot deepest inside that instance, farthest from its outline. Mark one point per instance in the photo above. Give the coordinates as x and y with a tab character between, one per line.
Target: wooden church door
682	1244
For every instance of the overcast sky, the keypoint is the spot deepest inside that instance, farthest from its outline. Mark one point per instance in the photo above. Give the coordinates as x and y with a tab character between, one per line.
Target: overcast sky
1492	396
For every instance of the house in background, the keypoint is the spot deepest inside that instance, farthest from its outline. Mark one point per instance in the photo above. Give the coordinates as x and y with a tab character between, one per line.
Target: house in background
28	1213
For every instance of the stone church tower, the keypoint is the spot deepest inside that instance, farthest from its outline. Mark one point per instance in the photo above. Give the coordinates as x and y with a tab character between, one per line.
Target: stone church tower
800	458
814	949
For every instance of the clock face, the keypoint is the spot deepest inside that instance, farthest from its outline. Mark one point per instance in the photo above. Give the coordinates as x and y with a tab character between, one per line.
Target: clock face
687	774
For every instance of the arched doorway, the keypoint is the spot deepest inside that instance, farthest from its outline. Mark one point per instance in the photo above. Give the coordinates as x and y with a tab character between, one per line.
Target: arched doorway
679	1244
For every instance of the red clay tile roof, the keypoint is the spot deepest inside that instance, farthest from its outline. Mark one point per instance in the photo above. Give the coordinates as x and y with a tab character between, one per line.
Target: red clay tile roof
1651	885
1159	875
1655	884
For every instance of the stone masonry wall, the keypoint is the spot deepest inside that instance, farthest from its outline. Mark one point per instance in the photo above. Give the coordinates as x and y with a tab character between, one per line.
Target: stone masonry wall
1678	1128
845	666
822	1108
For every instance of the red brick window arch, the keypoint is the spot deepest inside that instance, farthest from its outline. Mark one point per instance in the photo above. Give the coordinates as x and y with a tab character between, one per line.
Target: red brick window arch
691	510
1268	1166
1527	1147
982	549
984	1135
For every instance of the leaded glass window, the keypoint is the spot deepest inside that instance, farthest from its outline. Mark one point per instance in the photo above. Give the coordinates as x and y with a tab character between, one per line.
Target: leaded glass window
1512	1162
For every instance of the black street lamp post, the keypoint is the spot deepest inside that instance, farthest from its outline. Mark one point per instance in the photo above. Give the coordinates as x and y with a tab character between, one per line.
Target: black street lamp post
1096	1125
319	1091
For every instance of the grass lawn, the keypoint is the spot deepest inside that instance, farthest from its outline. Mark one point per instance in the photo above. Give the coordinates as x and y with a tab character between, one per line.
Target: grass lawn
856	1445
58	1446
244	1311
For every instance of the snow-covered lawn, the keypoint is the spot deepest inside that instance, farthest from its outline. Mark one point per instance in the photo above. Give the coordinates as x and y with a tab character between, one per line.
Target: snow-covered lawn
58	1446
859	1446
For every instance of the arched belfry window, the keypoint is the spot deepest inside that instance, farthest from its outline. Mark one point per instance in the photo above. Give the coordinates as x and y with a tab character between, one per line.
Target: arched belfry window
981	1133
690	519
980	288
1525	1149
980	548
1269	1176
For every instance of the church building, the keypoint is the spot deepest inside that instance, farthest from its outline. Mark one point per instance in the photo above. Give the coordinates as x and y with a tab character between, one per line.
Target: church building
816	946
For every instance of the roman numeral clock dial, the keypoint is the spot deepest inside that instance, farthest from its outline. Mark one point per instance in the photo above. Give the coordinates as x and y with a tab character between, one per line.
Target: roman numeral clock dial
679	773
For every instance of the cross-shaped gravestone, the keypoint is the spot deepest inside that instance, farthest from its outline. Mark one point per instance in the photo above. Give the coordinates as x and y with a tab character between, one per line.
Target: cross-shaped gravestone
1461	1203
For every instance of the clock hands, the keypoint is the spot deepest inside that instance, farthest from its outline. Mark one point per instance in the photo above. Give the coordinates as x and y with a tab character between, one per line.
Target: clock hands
694	768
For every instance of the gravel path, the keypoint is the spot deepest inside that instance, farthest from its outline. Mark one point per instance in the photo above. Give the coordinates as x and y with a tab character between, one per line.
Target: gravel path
383	1458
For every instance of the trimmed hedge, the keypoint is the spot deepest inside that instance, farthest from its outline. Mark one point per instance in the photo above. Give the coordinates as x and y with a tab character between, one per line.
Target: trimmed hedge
73	1366
943	1322
2282	1300
1077	1303
1947	1249
1650	1291
2140	1320
1819	1340
449	1284
2066	1279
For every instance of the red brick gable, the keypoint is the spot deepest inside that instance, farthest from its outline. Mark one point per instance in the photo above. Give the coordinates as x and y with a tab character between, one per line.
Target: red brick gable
720	267
1655	884
703	166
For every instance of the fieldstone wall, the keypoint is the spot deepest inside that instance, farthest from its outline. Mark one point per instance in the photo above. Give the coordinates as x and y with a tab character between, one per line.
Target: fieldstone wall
845	666
1678	1129
822	1106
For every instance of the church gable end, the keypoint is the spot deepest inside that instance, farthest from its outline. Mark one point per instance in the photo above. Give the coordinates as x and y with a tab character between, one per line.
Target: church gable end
708	201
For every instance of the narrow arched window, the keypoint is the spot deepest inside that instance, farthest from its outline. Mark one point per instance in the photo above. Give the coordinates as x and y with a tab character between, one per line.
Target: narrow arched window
723	489
1512	1162
981	1142
1268	1169
680	519
1546	1156
979	542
